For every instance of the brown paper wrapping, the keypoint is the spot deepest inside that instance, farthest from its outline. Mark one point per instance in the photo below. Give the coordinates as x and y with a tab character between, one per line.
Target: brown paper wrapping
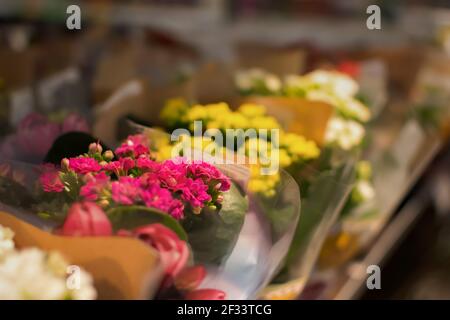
122	268
301	116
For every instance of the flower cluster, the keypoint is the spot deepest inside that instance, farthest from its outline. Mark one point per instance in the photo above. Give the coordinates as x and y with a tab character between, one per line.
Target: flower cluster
135	178
333	87
35	274
292	148
258	80
35	135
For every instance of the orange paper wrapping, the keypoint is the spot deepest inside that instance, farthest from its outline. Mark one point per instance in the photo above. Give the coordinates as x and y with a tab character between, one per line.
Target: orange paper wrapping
305	117
122	268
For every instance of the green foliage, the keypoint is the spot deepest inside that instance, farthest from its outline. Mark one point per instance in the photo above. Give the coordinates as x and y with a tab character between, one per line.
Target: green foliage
213	233
130	217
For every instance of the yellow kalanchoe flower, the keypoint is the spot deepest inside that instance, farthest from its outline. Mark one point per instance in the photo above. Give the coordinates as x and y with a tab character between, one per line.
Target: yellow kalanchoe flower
264	184
252	110
291	148
174	111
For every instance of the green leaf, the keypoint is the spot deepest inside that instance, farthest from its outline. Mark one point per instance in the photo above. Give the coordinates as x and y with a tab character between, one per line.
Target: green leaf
213	234
71	184
130	217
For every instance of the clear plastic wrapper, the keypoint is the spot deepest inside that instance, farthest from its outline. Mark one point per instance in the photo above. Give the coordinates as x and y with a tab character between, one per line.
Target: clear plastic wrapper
240	250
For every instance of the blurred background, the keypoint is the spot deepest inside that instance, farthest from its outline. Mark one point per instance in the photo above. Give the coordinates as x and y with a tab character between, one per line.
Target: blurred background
191	49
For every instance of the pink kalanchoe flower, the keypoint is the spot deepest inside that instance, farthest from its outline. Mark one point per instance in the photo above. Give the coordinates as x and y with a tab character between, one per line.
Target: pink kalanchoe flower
147	164
86	219
74	122
121	166
134	146
50	180
35	135
156	197
126	190
84	165
94	186
209	174
195	192
172	174
205	294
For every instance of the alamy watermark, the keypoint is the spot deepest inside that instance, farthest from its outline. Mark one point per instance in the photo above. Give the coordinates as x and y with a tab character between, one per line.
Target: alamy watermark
373	22
73	280
73	21
374	279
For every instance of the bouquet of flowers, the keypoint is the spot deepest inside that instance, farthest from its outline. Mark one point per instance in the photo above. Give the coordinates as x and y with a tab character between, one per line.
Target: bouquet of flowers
36	133
195	216
329	184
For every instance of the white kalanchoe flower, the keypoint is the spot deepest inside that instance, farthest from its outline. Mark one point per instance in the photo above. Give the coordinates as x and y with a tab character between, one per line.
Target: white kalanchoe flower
6	241
257	79
86	290
336	83
272	83
354	109
33	274
346	134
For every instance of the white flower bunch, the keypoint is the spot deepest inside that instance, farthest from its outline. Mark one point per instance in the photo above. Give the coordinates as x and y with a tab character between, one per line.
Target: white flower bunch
34	274
332	87
257	81
345	134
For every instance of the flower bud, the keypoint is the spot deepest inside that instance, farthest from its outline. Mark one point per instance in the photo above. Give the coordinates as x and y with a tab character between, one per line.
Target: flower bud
65	164
88	177
108	155
103	203
95	148
86	219
103	163
196	210
219	198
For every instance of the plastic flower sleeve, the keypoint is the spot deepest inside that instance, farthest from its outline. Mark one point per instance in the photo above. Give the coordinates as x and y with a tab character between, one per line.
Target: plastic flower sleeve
323	196
261	242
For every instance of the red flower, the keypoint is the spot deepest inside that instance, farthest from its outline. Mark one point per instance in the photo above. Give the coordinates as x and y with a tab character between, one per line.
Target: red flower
190	278
84	165
86	219
50	180
351	68
205	294
174	252
134	146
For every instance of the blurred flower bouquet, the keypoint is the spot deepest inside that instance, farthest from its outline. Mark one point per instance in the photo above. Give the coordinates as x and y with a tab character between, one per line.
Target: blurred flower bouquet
36	133
325	184
189	211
